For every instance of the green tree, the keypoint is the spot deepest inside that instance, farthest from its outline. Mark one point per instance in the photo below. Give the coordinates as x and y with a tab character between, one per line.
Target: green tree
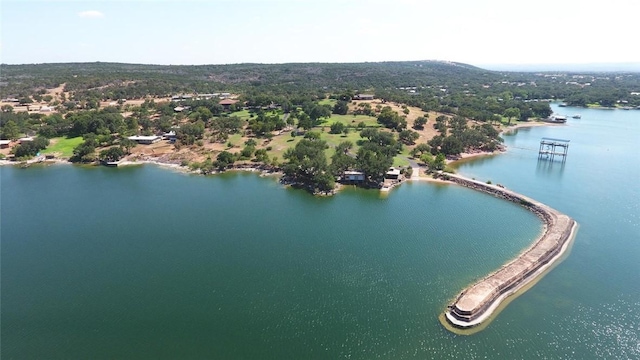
337	128
440	162
10	130
340	160
408	137
512	112
419	150
419	123
113	153
127	145
305	122
30	148
224	160
307	165
341	107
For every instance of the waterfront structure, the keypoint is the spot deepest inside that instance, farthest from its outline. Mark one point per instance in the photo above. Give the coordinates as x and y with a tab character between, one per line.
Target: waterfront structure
353	176
363	97
477	303
550	148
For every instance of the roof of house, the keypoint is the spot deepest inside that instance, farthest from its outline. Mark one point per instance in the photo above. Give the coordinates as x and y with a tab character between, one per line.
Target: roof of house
5	142
393	171
143	138
227	102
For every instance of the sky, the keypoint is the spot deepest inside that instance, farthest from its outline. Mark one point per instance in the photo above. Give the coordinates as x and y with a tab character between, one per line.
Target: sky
193	32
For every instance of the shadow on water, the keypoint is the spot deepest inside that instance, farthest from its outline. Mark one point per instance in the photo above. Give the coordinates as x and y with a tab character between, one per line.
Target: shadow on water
550	167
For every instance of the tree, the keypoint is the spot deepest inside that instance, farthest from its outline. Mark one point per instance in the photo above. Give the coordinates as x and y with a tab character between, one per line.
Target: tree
340	160
408	137
261	156
390	119
224	160
440	162
373	163
30	148
451	145
341	107
305	122
10	130
6	108
420	149
113	153
307	165
512	112
419	123
427	159
320	111
189	133
127	145
337	128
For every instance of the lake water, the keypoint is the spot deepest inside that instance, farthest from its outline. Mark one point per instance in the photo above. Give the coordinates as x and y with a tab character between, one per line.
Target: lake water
144	262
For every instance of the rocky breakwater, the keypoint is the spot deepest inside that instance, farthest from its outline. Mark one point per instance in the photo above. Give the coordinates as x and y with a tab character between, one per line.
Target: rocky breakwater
478	302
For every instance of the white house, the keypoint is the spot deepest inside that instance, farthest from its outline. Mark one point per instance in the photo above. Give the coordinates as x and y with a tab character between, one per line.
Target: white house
146	140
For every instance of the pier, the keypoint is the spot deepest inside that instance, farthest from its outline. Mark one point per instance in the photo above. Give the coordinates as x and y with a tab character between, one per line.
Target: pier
550	148
477	303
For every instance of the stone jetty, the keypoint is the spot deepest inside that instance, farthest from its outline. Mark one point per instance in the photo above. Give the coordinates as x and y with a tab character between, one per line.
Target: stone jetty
476	303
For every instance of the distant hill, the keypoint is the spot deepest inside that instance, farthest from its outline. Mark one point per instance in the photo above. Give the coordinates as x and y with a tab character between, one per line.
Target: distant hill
589	67
300	76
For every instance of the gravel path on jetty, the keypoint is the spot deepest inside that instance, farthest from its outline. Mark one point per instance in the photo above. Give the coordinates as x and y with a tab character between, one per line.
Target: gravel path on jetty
478	302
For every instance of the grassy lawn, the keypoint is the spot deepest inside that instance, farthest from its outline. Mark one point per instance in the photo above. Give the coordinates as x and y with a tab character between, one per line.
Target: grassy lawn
243	114
351	120
64	146
331	102
280	144
400	161
334	139
236	140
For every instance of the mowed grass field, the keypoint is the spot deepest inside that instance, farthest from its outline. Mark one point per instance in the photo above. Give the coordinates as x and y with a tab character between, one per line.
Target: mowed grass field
63	146
352	120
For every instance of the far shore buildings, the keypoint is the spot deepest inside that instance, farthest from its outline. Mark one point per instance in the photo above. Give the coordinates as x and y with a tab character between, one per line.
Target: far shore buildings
226	103
145	140
363	97
4	144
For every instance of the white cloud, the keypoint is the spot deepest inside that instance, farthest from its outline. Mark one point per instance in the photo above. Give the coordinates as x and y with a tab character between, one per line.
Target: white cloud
91	14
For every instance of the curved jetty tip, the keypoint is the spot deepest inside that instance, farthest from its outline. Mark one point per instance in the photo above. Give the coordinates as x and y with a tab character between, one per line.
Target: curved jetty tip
477	303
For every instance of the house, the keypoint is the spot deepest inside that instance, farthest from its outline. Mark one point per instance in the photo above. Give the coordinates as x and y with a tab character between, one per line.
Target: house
25	139
393	173
145	140
226	103
353	176
363	97
169	136
4	144
46	108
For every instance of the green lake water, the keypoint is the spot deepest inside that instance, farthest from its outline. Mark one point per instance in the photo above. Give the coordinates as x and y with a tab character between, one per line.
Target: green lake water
144	262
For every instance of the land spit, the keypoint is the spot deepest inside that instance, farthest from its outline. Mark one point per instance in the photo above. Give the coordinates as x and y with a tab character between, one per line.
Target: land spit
475	304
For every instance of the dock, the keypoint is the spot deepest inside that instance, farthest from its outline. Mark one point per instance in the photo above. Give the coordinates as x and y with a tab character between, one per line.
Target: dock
550	148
